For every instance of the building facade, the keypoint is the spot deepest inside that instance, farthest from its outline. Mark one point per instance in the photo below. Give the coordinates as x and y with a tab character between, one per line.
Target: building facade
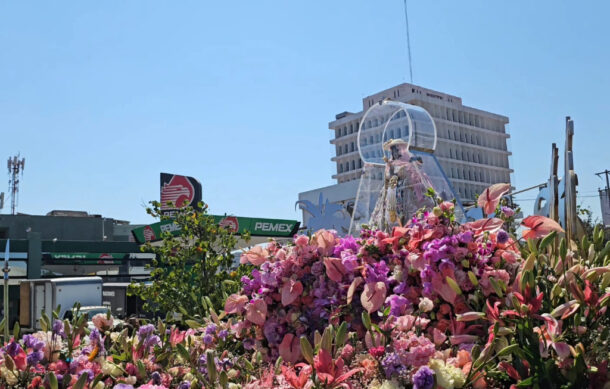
471	148
471	143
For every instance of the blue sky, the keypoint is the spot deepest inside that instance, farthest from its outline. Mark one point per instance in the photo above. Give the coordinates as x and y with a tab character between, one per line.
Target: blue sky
102	96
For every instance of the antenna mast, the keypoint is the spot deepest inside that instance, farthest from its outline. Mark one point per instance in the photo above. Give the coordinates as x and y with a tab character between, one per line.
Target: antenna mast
15	168
408	42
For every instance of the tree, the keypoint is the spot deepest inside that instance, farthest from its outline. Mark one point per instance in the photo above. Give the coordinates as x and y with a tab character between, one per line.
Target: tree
191	273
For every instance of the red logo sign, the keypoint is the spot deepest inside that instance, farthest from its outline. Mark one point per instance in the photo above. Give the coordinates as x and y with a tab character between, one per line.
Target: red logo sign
230	223
179	191
149	234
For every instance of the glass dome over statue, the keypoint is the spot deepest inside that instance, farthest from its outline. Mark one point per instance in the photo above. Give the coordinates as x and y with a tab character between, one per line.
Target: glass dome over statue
396	142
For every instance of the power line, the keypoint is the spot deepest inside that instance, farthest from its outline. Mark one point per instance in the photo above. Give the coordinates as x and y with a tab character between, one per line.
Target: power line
408	42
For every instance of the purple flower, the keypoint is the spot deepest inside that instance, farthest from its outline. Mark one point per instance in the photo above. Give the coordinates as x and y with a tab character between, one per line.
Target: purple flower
32	342
12	349
248	343
58	328
184	385
34	357
502	237
397	304
156	378
89	373
508	212
146	330
210	329
223	335
424	378
208	339
391	365
122	386
153	340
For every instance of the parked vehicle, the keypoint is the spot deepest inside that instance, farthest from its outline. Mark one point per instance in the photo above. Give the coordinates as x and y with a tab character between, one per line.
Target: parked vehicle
120	303
45	295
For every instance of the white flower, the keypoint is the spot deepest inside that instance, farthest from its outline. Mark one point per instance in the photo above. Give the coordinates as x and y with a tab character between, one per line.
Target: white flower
425	304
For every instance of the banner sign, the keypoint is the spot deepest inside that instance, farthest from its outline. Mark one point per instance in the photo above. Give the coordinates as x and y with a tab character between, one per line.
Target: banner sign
236	224
94	258
180	191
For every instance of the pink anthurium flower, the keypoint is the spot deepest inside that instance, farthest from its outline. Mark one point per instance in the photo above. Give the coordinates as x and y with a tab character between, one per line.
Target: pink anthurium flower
291	291
373	296
256	311
235	303
485	225
539	227
334	268
490	198
257	255
290	348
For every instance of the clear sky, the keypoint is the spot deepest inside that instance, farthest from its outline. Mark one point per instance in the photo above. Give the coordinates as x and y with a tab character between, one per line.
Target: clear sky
101	96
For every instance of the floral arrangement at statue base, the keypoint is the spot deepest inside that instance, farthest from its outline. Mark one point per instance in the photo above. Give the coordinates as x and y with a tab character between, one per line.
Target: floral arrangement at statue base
434	304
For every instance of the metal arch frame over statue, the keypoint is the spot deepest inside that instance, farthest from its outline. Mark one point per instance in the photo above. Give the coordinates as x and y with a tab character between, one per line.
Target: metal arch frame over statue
420	138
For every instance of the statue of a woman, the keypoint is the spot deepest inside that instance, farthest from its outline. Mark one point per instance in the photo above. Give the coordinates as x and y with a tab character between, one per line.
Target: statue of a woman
404	189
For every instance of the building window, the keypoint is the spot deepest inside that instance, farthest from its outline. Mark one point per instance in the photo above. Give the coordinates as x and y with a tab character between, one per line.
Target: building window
353	165
345	148
398	133
359	163
340	168
450	152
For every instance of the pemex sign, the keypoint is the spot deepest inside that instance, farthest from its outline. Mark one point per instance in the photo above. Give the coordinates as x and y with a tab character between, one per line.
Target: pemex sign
180	191
236	224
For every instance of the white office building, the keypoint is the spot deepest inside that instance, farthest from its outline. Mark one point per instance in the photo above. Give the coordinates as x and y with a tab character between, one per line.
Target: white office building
471	146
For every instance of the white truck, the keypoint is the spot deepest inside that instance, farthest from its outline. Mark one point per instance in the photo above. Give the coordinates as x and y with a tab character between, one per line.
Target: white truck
36	296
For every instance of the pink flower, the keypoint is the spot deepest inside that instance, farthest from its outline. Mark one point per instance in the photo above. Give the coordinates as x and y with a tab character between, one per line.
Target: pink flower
301	240
102	322
256	256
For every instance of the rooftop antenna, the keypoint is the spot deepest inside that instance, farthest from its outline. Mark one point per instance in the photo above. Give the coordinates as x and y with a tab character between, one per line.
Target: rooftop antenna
408	41
15	168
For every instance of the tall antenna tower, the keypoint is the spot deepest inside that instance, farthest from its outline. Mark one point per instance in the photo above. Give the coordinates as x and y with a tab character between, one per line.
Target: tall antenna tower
15	169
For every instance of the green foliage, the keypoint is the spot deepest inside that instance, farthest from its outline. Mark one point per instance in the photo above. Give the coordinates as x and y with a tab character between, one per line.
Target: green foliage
191	274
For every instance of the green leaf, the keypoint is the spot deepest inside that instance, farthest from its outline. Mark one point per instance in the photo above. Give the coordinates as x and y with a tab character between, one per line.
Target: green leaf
547	240
341	336
97	379
278	365
193	324
366	320
16	330
224	378
327	340
211	366
508	350
526	383
563	248
141	369
183	352
306	349
53	384
82	381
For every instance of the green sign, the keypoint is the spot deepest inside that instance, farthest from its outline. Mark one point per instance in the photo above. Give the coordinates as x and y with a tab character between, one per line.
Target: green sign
237	224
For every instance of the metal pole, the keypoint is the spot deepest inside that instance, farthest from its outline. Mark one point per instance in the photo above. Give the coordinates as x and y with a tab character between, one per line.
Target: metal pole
6	270
408	42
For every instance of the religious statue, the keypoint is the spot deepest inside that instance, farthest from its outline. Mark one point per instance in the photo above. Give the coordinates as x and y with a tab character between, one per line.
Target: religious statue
404	190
